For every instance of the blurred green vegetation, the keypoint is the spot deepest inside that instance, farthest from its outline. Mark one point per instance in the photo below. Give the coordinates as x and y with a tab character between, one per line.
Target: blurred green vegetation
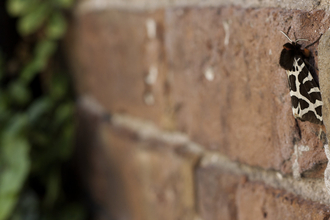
36	116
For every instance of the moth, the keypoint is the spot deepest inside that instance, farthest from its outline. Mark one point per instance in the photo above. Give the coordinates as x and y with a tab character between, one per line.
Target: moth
304	90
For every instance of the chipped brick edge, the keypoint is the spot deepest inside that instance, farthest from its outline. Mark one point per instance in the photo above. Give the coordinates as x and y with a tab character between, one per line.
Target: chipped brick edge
143	5
324	76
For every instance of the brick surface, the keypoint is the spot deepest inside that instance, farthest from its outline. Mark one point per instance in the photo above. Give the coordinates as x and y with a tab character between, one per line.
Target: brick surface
218	77
111	55
100	177
158	182
211	73
245	111
130	178
92	5
255	201
324	67
216	193
222	195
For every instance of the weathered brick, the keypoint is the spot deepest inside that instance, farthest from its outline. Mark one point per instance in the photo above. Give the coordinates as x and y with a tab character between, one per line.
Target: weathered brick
159	182
131	178
217	80
92	5
245	110
218	77
99	176
112	53
222	195
256	201
216	193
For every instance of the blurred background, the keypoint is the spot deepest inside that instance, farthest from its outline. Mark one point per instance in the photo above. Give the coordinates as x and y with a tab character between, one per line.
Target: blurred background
37	124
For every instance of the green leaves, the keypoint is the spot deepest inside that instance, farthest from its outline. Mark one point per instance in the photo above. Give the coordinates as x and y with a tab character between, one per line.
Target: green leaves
56	26
14	165
39	108
32	20
64	3
19	93
20	7
36	124
34	14
43	50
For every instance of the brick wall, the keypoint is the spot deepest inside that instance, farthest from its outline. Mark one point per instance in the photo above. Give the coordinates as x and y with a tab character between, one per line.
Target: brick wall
185	113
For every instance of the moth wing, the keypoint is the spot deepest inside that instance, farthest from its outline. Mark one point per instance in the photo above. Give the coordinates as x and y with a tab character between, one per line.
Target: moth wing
305	93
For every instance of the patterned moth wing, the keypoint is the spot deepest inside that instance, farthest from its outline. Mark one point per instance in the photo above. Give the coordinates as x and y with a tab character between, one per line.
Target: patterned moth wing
304	90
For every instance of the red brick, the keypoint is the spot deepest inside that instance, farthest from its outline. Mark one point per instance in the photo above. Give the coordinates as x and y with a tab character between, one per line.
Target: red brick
158	181
216	193
256	201
324	67
222	195
245	112
110	55
131	178
99	176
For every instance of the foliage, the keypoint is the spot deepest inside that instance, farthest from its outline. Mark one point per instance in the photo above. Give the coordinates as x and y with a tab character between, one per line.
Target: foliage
36	128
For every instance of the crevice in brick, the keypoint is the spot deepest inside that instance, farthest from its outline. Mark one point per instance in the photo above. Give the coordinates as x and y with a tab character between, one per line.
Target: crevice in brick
299	133
147	131
195	166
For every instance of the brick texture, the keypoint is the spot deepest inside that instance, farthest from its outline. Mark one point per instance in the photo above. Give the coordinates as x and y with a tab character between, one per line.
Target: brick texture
132	178
111	54
158	182
210	74
255	201
100	176
216	193
129	177
247	103
222	195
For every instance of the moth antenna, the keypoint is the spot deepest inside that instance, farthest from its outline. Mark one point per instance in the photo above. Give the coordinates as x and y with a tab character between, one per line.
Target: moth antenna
301	40
287	33
286	36
294	33
314	41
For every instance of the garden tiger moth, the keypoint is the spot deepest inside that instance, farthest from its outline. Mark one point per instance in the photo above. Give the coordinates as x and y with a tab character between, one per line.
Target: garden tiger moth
304	90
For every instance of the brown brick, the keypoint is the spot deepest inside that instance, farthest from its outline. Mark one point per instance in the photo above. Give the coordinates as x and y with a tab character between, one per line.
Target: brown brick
222	195
99	176
158	181
324	66
245	111
110	53
216	193
131	178
256	201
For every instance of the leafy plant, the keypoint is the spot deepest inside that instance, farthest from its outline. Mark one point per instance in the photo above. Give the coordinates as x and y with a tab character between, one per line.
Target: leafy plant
36	116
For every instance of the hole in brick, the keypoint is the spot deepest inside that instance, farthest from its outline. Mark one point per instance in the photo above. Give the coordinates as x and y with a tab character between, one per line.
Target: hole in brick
265	214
